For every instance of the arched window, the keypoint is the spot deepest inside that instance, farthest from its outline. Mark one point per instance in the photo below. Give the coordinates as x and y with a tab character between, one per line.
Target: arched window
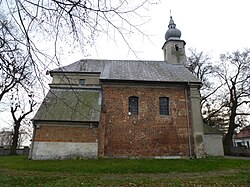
164	105
133	105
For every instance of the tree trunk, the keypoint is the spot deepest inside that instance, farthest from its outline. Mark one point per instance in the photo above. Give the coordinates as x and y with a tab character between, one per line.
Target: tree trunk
227	143
15	139
228	140
17	124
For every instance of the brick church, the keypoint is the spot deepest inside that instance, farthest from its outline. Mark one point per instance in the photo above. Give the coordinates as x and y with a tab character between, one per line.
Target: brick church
122	108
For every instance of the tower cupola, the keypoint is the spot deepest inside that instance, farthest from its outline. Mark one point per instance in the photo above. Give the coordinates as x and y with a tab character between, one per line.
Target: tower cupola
174	47
172	31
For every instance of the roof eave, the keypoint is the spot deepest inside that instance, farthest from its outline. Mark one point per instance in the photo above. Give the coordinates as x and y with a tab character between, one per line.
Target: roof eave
150	81
35	121
72	72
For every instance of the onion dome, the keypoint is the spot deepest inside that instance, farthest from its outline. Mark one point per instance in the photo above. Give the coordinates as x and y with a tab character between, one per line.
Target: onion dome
172	31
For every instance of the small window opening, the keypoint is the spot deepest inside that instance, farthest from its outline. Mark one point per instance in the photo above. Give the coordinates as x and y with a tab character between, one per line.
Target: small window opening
82	82
177	47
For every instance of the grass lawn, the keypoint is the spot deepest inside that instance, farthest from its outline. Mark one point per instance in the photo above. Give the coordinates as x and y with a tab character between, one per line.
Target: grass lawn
19	171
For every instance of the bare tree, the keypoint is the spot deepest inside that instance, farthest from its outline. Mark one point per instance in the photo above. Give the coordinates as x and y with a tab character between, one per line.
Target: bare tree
19	112
225	90
73	23
234	74
15	78
14	61
199	63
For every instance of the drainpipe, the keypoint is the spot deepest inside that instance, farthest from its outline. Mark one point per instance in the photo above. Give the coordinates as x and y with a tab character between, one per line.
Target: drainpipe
189	138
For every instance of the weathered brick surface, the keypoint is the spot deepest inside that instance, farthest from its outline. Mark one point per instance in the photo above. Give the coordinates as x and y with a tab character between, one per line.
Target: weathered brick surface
47	133
148	133
119	134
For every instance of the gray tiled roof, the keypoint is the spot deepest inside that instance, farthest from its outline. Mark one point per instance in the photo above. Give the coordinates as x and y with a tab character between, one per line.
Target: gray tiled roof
70	105
132	70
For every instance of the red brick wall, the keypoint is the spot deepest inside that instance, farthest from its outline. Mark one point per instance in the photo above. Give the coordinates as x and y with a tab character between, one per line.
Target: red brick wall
49	133
147	134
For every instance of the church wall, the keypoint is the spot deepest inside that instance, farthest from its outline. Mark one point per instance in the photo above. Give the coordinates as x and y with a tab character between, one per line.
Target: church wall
53	133
146	134
64	142
73	79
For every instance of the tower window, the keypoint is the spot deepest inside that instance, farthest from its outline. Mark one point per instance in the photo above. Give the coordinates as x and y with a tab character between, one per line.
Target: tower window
177	48
164	105
133	105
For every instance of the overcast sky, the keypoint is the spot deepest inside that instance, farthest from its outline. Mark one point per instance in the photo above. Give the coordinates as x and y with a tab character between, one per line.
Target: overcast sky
215	27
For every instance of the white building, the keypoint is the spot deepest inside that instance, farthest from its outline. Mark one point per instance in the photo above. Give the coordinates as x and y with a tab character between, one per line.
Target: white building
243	138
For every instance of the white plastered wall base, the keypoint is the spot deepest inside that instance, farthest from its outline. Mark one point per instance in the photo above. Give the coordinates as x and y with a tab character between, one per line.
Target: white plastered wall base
63	150
214	145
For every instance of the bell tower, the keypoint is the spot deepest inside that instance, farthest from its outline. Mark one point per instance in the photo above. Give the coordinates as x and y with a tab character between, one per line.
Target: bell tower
174	47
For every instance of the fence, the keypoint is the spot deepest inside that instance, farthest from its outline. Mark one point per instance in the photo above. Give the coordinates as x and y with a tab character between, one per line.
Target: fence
6	152
240	151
